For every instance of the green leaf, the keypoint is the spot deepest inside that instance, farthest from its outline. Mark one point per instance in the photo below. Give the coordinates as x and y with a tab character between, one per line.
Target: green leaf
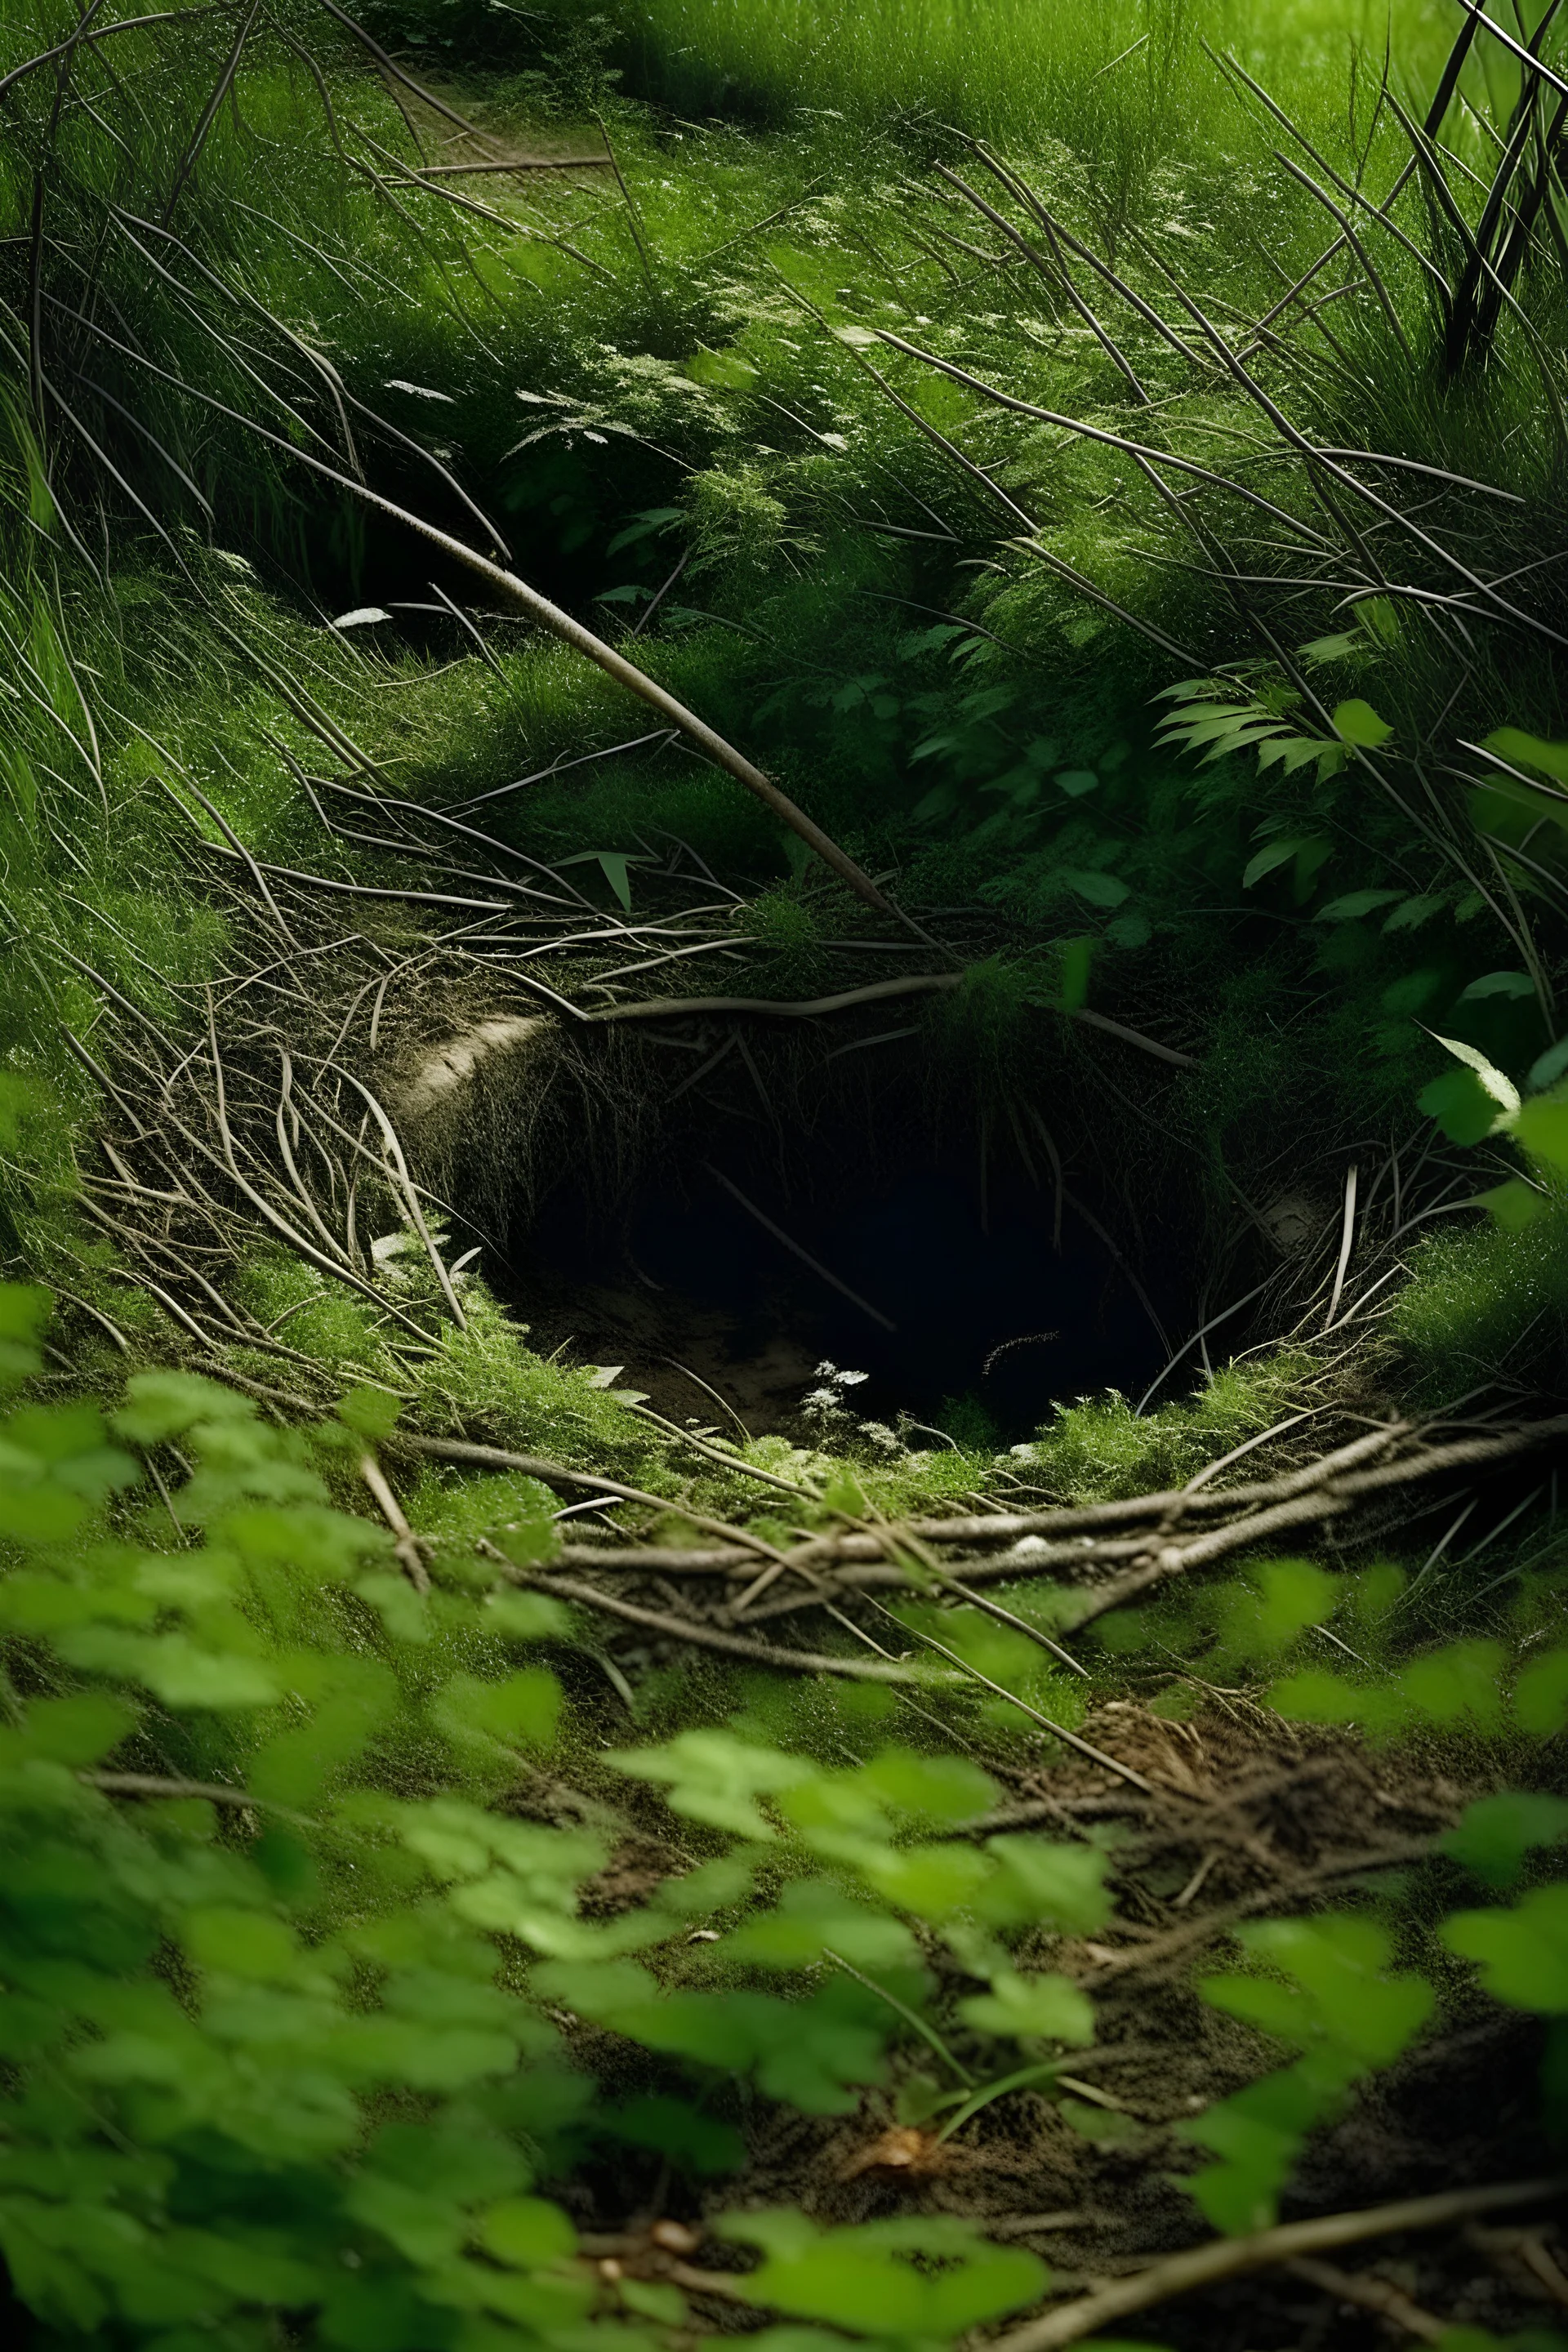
1513	984
24	1308
79	1730
1501	1088
1523	1953
1099	889
691	2140
1551	1066
1357	722
1540	1695
1355	904
1257	2134
1273	855
1342	1964
1265	1615
521	1710
161	1405
1023	2007
946	1789
616	865
1540	1129
1522	751
1512	1205
242	1943
710	1776
403	1612
865	2278
527	1617
1038	1884
1455	1685
1461	1105
526	2233
172	1668
1493	1836
811	1915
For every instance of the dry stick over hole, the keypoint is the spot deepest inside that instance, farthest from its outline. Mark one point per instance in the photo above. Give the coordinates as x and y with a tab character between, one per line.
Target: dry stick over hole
518	593
1227	2258
804	1255
815	1008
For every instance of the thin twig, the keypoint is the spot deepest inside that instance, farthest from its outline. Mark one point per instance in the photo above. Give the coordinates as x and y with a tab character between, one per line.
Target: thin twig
1226	2257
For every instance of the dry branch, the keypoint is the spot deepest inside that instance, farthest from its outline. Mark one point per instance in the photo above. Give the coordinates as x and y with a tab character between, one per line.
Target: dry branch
734	1645
1226	2257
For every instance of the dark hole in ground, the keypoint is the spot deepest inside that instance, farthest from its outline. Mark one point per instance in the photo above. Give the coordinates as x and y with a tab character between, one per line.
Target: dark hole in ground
965	1315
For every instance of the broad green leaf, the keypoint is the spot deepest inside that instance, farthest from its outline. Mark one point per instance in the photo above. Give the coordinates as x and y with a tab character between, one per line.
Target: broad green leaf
1355	904
1270	857
172	1668
527	1617
161	1405
1459	1682
1038	1884
1494	1834
948	1788
526	2233
1523	1953
1097	888
865	2278
370	1413
692	2141
1540	1129
402	1610
1551	1066
1357	722
1276	1603
422	2223
81	1729
1257	2134
1501	1088
1522	751
1540	1695
1462	1106
243	1943
1050	2007
1513	984
1513	1205
811	1916
712	1777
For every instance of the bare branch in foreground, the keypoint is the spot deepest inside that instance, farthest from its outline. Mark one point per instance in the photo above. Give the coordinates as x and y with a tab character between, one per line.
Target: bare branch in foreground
1226	2257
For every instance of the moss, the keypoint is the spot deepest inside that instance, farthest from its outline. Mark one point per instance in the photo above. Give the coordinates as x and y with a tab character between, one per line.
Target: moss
1101	1447
1483	1302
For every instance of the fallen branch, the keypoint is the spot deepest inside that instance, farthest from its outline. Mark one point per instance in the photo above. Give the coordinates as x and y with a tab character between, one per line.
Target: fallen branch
816	1008
709	1637
525	599
405	1543
1133	1958
555	1473
1390	2302
1227	2258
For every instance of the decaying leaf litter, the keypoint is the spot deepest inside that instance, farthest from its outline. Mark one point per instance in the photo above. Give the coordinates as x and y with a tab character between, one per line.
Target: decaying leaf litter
356	1097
